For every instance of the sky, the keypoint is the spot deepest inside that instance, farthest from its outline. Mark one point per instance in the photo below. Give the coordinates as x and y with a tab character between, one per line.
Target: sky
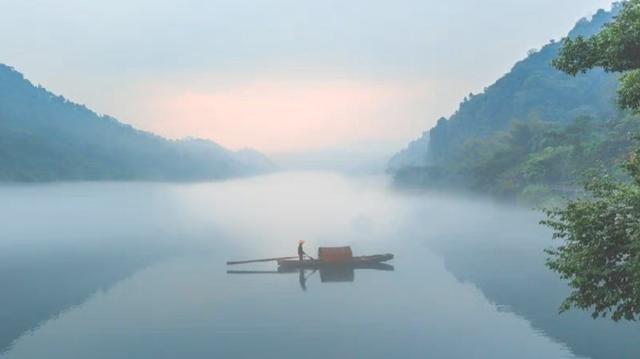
280	76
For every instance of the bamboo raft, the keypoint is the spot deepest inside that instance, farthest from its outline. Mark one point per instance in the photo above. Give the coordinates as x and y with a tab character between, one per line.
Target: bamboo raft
327	257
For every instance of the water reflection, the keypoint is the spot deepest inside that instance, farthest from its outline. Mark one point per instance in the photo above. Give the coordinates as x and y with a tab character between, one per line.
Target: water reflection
522	285
60	245
37	288
302	278
328	274
508	266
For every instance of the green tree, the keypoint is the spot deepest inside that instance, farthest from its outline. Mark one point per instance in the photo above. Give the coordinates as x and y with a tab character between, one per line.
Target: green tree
600	254
615	49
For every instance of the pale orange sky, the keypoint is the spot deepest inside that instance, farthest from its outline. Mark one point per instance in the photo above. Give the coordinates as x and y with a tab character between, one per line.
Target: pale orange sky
276	114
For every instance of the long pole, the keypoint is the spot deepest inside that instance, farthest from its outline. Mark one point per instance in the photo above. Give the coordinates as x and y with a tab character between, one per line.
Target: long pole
259	260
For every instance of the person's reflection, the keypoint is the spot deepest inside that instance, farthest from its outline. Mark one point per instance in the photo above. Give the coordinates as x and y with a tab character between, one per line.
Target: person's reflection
302	278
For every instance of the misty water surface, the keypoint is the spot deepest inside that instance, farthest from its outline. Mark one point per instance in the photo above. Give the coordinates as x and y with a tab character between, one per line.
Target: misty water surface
117	270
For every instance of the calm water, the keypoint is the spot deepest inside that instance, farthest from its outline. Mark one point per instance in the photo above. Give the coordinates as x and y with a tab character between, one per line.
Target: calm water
135	270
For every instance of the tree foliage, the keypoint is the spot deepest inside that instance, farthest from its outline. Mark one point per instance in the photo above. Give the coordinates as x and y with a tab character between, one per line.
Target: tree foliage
615	49
534	162
600	252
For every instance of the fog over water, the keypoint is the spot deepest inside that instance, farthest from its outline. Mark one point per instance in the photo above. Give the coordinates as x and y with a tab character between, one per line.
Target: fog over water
114	270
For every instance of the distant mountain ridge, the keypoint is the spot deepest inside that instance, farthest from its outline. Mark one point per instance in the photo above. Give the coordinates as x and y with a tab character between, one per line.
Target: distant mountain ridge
531	90
45	137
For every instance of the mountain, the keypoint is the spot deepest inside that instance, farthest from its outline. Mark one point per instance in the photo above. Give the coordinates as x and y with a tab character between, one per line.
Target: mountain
530	136
412	156
531	90
45	137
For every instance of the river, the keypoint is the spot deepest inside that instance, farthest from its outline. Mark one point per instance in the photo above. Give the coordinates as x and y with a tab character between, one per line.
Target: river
137	270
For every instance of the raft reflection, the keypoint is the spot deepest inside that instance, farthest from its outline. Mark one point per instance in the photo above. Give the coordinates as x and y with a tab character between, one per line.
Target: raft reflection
328	274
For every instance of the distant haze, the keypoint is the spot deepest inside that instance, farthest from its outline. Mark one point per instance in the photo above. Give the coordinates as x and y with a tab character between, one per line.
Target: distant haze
280	76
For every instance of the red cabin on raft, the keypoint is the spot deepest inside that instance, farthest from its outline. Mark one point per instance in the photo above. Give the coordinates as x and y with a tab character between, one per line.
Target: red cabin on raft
335	254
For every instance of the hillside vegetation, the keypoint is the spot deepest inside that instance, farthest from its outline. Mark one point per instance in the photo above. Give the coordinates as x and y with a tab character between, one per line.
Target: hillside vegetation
528	136
44	137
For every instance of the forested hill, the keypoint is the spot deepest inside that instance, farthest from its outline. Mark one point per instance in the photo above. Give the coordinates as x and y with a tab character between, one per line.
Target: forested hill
44	137
533	89
531	132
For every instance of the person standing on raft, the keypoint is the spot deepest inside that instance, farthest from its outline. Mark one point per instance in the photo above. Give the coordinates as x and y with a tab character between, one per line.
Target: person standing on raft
301	252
